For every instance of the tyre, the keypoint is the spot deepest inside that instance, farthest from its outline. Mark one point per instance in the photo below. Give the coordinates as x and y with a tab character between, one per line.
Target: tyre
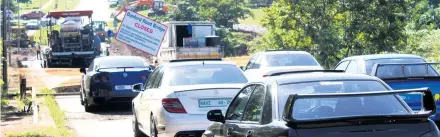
87	106
153	129
81	96
135	125
25	18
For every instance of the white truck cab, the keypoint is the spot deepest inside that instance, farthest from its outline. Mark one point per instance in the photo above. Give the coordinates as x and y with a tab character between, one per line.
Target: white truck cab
189	39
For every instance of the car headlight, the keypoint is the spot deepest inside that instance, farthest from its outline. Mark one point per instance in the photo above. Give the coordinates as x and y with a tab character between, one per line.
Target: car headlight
433	133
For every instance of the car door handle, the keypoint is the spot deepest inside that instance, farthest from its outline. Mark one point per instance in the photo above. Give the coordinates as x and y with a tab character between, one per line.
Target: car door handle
228	132
249	133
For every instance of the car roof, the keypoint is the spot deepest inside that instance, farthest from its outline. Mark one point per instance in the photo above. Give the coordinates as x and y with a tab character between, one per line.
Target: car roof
185	63
315	76
381	56
107	58
283	52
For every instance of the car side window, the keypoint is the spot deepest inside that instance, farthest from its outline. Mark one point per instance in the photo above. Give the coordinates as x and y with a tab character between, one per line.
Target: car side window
251	62
342	66
352	67
255	104
237	106
257	63
158	79
152	78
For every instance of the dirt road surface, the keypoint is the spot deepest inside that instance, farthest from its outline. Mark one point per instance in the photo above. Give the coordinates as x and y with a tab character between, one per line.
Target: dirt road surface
111	121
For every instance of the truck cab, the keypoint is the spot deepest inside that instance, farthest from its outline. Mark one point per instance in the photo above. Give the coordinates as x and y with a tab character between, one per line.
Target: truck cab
188	40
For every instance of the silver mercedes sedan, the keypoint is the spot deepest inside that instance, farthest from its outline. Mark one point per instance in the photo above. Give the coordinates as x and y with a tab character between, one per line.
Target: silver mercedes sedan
178	94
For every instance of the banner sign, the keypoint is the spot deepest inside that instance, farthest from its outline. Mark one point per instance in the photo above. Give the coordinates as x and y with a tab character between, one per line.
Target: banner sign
141	32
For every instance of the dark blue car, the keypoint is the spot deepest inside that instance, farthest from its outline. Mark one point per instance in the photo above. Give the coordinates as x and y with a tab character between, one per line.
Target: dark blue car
399	71
109	80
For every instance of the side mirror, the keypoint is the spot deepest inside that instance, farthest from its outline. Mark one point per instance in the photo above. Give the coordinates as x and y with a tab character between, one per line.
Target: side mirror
82	70
243	68
152	67
137	87
216	116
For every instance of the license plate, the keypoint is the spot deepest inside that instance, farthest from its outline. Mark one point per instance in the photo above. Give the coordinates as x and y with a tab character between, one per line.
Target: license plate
214	102
123	87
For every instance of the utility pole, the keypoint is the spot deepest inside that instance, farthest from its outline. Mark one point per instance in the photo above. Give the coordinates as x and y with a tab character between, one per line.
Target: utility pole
4	52
41	31
19	32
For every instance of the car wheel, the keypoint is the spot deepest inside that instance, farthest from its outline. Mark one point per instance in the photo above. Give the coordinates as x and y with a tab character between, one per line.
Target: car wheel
87	106
81	96
25	18
135	125
153	129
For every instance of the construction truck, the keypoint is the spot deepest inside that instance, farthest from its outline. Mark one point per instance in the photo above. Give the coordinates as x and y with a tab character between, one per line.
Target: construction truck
156	7
189	40
72	45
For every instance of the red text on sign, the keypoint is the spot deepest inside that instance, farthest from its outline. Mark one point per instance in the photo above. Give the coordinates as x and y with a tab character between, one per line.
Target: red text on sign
146	29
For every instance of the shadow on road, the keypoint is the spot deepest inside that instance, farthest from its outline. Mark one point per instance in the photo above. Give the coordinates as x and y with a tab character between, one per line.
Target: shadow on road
113	109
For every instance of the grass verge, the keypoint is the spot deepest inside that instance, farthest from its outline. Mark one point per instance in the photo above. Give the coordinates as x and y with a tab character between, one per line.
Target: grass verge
58	116
60	129
62	5
35	5
258	15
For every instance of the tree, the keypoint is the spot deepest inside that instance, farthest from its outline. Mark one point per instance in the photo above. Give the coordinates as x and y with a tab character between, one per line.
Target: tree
333	29
185	11
222	11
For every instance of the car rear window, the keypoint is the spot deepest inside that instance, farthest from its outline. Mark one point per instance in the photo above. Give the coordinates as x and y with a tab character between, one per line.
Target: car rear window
117	63
276	60
206	74
340	107
370	63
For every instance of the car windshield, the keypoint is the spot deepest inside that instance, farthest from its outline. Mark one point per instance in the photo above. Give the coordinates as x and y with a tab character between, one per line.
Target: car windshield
370	63
206	74
276	60
119	63
306	109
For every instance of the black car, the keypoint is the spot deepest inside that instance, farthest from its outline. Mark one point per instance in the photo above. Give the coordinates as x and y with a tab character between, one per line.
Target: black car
322	104
109	79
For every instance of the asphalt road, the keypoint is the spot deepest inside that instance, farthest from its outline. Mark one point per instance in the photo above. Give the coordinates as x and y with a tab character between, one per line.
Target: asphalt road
110	121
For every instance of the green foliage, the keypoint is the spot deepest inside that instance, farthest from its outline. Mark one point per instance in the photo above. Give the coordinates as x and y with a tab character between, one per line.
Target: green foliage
235	42
185	11
222	11
424	43
58	117
27	134
333	29
424	15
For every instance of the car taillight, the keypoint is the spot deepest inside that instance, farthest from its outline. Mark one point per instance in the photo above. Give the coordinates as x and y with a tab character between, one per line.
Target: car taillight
173	105
104	79
95	79
265	75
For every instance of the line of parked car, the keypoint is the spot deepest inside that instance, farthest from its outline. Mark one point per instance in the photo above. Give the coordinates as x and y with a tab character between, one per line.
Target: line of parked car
278	93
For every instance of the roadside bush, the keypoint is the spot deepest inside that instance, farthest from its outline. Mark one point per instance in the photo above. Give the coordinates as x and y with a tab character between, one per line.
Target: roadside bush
27	134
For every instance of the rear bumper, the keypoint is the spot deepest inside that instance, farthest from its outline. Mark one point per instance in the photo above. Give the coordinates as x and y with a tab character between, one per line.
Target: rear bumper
106	97
175	125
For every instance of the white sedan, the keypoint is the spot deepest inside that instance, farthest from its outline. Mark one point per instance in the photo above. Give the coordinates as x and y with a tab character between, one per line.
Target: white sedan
177	96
